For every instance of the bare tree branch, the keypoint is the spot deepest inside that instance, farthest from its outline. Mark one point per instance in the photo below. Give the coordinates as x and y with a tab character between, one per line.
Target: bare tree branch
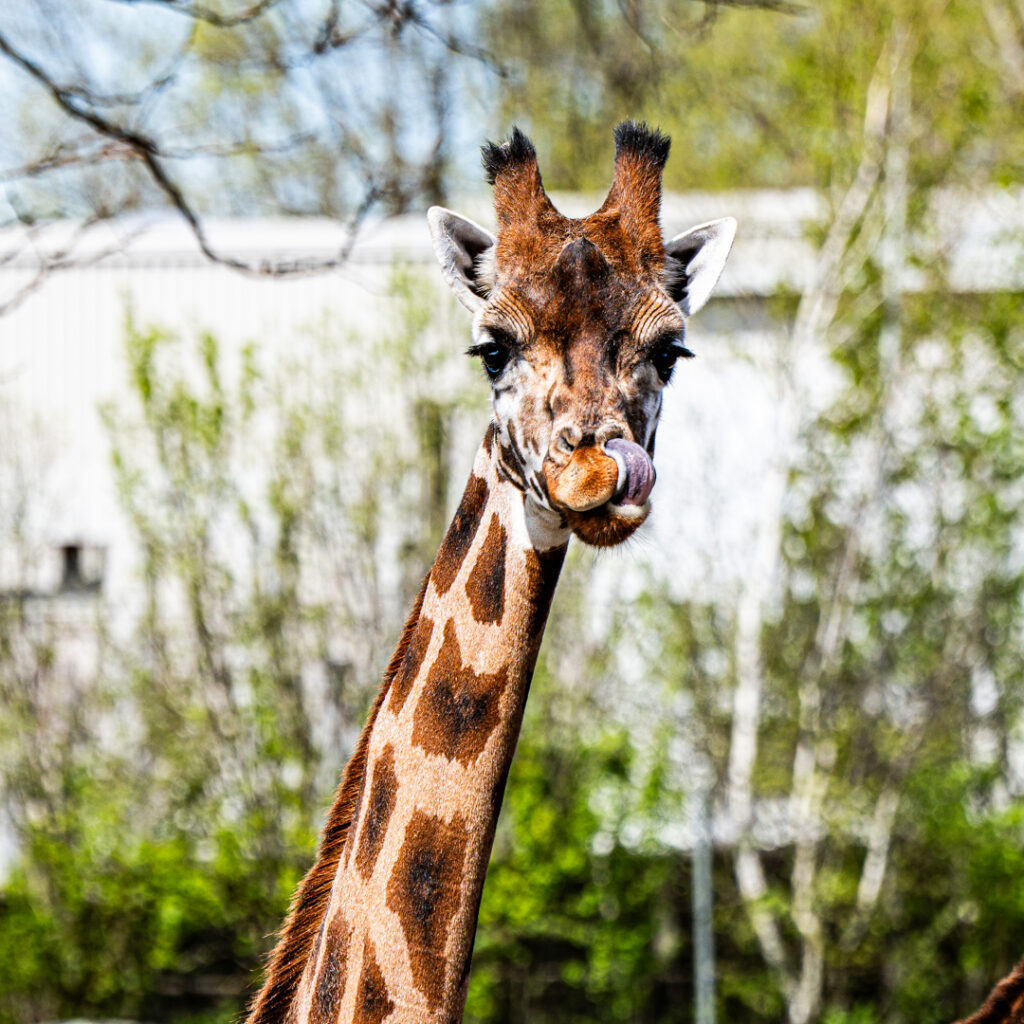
148	152
67	156
362	161
450	41
780	6
202	13
814	754
872	873
59	259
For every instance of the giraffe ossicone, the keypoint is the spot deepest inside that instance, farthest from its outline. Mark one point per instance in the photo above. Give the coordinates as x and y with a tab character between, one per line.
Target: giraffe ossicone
578	323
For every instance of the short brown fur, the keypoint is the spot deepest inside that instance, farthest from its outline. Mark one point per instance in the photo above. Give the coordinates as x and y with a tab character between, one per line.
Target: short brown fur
542	570
588	480
330	985
460	535
416	651
381	803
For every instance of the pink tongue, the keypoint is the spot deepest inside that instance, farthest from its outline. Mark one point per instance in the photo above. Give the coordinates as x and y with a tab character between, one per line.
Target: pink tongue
635	489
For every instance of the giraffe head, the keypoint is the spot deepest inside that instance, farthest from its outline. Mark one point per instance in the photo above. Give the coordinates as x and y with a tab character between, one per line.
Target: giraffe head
579	323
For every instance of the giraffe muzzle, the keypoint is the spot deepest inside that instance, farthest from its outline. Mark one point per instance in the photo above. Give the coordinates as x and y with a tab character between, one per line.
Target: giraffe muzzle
621	473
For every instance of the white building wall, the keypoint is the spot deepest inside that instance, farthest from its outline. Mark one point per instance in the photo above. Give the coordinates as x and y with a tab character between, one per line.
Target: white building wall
61	353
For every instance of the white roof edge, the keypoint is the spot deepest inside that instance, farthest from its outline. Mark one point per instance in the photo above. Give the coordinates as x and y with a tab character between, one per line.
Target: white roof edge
979	233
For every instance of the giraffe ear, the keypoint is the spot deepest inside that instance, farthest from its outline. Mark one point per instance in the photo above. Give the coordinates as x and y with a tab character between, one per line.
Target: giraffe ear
694	262
466	254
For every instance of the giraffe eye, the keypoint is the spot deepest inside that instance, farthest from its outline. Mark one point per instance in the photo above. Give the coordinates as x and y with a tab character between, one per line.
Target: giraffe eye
494	358
494	352
665	354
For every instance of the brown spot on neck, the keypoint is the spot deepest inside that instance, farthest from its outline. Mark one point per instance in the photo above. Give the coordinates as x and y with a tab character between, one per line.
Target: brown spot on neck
373	1001
458	709
542	571
485	587
424	892
460	535
379	807
330	985
410	666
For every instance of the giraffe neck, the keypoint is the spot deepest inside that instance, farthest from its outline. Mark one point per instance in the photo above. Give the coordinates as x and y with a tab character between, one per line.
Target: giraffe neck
382	928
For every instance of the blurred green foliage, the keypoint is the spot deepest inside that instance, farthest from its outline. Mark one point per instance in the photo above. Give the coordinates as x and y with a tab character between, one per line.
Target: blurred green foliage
758	97
566	932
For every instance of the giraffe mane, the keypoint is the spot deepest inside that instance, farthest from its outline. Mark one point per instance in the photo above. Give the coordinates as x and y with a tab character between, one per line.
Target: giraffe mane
1005	1004
301	927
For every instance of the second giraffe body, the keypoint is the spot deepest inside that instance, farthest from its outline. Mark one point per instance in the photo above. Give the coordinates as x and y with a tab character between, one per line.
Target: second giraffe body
578	324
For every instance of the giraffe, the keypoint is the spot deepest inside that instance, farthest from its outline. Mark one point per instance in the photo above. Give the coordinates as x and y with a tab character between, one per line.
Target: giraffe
578	324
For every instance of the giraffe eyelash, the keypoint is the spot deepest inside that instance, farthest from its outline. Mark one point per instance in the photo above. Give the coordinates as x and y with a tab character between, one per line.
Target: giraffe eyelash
494	335
663	355
670	341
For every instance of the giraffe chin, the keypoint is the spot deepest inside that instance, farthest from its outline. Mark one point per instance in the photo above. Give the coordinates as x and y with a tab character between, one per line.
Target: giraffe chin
608	524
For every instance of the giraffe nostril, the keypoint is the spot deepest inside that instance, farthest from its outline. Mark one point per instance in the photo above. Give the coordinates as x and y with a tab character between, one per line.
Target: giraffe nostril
568	440
608	432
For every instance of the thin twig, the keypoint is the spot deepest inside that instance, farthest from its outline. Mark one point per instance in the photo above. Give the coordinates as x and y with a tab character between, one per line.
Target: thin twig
149	153
207	14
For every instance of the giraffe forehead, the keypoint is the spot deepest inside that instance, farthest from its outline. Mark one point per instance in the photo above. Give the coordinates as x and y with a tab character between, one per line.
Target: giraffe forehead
584	278
537	244
564	314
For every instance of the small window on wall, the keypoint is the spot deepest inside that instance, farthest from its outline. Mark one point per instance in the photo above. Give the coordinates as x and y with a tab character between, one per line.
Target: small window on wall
81	567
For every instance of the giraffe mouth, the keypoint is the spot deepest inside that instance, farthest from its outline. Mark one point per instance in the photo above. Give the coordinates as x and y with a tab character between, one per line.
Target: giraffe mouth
618	473
604	493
